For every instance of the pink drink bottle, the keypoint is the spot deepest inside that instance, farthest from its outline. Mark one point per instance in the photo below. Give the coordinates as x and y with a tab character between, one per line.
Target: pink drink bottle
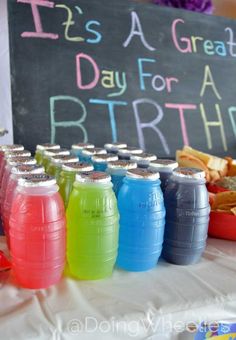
7	171
16	172
37	232
5	148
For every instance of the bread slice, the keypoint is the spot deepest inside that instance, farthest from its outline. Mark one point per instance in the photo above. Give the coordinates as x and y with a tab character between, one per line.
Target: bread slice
212	162
231	167
186	160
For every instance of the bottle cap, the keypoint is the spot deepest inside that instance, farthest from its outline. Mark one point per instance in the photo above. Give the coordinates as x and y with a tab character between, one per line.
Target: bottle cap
14	154
40	180
143	157
27	169
63	159
164	163
81	146
143	174
47	146
109	157
129	151
122	165
57	152
189	173
21	160
93	177
78	167
13	147
94	151
115	146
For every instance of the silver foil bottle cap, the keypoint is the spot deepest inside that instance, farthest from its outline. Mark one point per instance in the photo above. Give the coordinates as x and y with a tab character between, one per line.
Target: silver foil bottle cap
27	169
109	157
143	174
129	151
144	157
47	146
189	173
57	152
11	147
122	165
21	160
78	167
14	154
34	181
81	146
164	163
63	159
93	177
115	146
94	151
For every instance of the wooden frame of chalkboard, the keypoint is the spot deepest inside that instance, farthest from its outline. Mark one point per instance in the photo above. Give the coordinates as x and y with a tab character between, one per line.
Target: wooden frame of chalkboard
104	70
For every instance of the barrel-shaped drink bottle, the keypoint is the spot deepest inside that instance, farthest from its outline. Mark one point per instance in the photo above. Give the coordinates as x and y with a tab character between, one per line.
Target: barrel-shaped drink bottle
187	216
126	153
48	154
143	160
114	147
3	150
40	148
117	170
165	168
67	178
86	154
37	232
7	171
56	162
76	149
92	227
16	172
100	162
142	221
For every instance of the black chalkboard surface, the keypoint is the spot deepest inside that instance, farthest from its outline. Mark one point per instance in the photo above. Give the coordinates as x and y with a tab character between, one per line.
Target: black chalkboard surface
113	70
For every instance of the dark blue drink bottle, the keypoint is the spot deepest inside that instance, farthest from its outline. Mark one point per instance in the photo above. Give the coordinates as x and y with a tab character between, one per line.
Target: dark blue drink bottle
142	221
100	162
117	170
143	160
165	168
114	147
125	154
187	216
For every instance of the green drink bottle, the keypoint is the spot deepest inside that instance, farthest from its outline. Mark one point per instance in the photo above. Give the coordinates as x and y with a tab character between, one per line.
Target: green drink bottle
55	165
67	178
92	227
48	154
40	148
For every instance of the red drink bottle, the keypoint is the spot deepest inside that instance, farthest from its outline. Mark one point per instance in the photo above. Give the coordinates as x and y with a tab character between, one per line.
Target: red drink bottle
37	232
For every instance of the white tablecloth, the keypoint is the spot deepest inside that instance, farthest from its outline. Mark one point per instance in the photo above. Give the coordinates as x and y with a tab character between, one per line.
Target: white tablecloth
156	305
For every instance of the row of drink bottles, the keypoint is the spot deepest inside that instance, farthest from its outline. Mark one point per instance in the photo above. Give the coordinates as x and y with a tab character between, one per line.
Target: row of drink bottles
100	207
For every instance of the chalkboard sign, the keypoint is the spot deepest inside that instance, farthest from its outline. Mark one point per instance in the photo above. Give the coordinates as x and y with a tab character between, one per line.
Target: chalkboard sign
113	70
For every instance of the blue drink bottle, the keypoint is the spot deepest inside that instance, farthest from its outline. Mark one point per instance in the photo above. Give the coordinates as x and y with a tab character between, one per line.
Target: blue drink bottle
86	154
125	154
100	162
142	221
114	147
165	168
143	160
187	216
76	149
117	170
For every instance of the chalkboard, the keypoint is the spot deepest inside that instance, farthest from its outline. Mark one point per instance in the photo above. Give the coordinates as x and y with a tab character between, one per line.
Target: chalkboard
113	70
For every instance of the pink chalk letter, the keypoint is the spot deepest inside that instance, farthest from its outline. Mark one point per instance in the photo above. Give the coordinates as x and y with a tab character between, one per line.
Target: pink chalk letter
39	33
93	83
181	108
188	49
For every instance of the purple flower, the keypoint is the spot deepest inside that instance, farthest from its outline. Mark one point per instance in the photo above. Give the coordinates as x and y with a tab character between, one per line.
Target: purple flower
204	6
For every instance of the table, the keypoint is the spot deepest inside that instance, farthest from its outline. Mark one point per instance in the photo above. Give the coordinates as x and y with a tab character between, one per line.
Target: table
155	305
